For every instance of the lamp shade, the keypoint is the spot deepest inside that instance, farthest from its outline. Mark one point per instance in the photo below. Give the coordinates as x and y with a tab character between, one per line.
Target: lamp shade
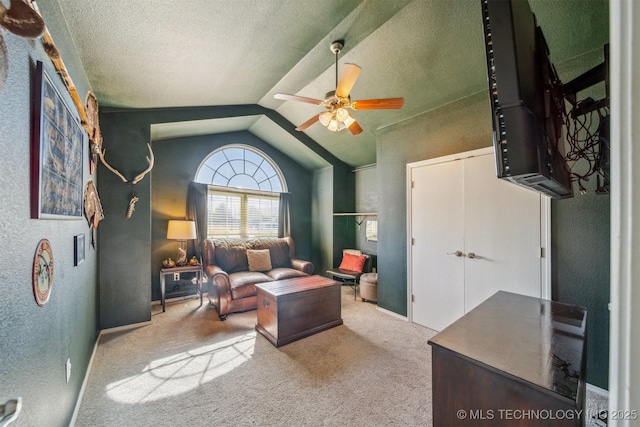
181	230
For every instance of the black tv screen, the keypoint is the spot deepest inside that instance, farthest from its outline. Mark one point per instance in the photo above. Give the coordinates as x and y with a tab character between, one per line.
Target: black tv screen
527	103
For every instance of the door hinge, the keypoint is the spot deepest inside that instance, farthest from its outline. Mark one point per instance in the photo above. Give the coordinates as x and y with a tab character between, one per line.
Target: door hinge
413	184
542	253
413	241
413	298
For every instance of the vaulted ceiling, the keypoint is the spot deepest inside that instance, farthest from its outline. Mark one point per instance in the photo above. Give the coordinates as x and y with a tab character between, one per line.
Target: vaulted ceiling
169	53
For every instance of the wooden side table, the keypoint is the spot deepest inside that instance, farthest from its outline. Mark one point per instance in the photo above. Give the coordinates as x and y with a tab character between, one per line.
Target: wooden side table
179	270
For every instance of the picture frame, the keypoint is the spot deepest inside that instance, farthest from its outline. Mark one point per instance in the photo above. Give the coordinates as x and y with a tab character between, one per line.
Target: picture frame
57	160
371	231
78	249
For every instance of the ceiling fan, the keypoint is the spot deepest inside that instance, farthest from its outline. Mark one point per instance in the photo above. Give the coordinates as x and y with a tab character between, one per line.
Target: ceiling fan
338	101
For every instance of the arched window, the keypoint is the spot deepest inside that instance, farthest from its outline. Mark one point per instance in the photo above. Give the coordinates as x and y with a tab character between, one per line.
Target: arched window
244	192
241	166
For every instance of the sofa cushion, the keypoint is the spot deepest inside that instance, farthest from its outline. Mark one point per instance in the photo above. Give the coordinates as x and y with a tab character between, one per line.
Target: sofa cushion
278	248
285	273
231	255
243	283
259	259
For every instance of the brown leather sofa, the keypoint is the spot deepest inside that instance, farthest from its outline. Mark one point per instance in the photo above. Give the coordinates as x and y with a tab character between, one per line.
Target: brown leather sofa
231	286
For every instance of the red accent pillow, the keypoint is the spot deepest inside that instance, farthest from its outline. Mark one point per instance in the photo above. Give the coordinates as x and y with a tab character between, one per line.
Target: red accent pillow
352	262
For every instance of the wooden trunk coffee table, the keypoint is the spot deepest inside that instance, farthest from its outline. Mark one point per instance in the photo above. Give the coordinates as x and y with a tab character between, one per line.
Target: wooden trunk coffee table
291	309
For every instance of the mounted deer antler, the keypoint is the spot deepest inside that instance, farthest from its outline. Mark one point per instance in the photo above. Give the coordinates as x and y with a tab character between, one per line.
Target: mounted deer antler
125	180
147	170
134	181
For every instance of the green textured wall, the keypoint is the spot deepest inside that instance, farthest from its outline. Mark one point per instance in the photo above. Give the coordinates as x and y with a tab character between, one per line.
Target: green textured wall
124	244
35	341
322	219
580	226
580	229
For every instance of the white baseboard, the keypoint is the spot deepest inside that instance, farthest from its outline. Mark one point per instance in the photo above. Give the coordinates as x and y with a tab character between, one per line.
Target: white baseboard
84	382
392	314
124	328
93	354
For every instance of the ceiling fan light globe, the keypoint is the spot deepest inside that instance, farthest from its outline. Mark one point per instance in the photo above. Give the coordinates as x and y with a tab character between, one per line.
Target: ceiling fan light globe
325	118
342	115
334	125
349	121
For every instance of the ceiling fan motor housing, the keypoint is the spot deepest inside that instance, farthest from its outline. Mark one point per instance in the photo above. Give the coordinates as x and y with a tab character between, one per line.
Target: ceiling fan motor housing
332	101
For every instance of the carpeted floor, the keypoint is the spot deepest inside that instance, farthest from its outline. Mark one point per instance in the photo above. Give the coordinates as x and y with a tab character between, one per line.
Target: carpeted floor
189	368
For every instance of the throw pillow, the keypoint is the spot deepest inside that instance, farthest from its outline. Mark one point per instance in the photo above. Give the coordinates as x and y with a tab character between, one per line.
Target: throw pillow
259	259
352	262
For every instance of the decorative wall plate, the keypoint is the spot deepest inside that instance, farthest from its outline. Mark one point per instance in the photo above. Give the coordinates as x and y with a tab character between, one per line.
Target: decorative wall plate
42	272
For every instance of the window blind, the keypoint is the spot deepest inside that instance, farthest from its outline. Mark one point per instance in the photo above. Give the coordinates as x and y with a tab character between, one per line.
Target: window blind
242	214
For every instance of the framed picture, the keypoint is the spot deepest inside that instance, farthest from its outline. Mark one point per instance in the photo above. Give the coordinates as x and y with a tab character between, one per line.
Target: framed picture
78	249
57	146
371	231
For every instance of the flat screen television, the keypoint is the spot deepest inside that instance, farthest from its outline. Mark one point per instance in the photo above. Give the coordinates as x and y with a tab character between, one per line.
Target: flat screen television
527	103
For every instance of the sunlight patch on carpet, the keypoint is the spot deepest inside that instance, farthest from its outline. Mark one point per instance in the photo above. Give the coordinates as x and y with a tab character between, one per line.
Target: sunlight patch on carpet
183	372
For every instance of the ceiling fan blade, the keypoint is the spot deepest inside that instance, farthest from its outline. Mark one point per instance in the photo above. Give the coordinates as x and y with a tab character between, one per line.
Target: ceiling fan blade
285	97
355	128
350	73
378	104
308	123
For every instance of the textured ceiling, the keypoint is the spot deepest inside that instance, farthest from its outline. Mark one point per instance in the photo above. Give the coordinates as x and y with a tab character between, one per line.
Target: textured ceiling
168	53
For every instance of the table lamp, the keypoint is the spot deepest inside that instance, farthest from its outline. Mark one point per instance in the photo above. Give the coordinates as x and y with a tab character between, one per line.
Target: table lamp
181	231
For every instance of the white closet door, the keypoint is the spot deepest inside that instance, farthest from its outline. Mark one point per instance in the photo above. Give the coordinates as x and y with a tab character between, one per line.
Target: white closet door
502	227
460	205
437	230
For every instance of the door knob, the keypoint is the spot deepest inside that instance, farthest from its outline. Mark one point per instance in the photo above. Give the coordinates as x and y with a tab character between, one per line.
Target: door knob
456	253
472	255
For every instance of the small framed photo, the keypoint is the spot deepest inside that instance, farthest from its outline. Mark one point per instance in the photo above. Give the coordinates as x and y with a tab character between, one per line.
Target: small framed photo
78	249
371	231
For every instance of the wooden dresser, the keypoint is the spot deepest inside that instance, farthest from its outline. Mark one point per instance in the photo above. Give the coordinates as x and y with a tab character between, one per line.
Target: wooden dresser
514	360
